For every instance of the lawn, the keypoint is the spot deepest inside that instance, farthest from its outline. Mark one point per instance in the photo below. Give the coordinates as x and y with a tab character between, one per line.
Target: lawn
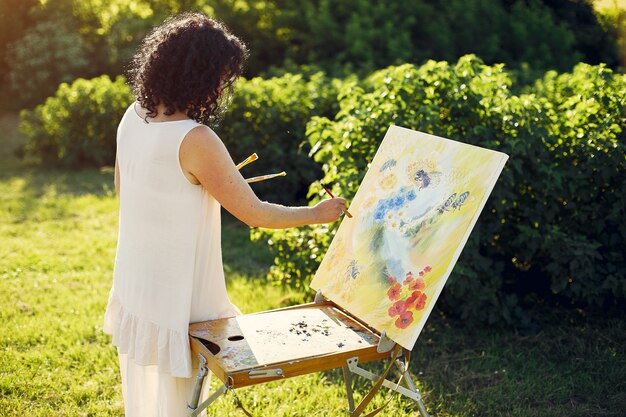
57	244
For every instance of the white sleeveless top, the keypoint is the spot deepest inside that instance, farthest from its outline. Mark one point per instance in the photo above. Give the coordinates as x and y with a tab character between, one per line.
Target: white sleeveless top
168	268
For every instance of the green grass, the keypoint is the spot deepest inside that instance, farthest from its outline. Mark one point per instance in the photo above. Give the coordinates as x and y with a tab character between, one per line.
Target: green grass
57	244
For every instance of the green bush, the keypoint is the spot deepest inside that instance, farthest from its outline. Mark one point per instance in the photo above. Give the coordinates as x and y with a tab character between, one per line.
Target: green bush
582	247
77	126
269	116
552	230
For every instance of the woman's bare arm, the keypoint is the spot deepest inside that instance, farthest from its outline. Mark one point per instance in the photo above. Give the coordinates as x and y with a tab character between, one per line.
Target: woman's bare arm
206	161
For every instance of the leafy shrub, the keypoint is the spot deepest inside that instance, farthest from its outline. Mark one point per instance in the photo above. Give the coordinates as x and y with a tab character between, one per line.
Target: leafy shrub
77	126
552	230
269	116
583	251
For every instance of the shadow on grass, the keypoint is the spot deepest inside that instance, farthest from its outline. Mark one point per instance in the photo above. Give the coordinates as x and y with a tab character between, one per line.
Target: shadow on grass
42	191
239	253
39	193
38	181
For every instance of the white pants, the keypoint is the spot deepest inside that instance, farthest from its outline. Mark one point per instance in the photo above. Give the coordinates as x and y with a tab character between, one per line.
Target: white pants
150	393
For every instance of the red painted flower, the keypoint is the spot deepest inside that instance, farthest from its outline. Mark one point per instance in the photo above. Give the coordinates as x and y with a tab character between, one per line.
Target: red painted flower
427	268
404	320
391	280
421	302
417	285
394	292
421	273
397	308
412	300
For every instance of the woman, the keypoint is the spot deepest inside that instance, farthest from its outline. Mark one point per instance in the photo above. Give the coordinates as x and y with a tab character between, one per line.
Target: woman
172	174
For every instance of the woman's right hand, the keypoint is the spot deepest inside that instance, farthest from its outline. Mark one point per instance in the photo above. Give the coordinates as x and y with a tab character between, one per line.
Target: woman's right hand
328	211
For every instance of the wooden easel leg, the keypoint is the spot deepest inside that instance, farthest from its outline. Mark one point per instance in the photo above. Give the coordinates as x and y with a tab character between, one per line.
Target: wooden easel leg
411	385
348	380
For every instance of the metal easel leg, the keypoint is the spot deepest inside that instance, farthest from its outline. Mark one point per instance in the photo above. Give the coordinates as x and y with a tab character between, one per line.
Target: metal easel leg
192	408
348	380
197	388
409	381
220	391
412	392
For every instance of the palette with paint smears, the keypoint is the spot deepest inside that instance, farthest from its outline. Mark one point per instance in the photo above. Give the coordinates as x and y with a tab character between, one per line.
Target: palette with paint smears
283	343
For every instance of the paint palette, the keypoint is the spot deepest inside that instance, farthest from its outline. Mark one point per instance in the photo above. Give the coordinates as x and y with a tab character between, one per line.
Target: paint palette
275	344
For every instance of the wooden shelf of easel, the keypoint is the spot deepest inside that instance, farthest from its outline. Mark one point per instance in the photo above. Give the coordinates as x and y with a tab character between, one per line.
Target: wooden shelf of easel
262	347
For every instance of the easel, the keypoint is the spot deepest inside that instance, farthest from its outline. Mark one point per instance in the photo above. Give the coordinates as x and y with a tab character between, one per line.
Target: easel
417	211
209	340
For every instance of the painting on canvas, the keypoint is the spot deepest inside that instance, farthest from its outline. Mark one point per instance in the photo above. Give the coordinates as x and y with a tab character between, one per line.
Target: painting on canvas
412	215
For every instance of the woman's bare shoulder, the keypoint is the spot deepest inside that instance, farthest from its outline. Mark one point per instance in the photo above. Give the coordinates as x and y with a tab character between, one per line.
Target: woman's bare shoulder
202	150
203	135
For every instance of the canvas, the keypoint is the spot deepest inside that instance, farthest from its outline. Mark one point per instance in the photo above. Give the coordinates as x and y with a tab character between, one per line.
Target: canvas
412	215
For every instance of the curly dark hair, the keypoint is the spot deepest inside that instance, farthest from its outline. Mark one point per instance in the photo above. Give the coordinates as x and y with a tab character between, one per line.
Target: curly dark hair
189	64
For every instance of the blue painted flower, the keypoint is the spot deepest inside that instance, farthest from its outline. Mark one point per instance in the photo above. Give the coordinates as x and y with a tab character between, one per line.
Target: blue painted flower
398	201
411	195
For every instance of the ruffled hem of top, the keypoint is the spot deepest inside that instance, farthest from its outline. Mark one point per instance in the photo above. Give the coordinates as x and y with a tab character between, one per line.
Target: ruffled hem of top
148	343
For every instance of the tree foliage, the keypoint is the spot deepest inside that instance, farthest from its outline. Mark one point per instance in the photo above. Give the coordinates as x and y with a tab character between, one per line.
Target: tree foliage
49	54
47	43
361	35
336	36
14	20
